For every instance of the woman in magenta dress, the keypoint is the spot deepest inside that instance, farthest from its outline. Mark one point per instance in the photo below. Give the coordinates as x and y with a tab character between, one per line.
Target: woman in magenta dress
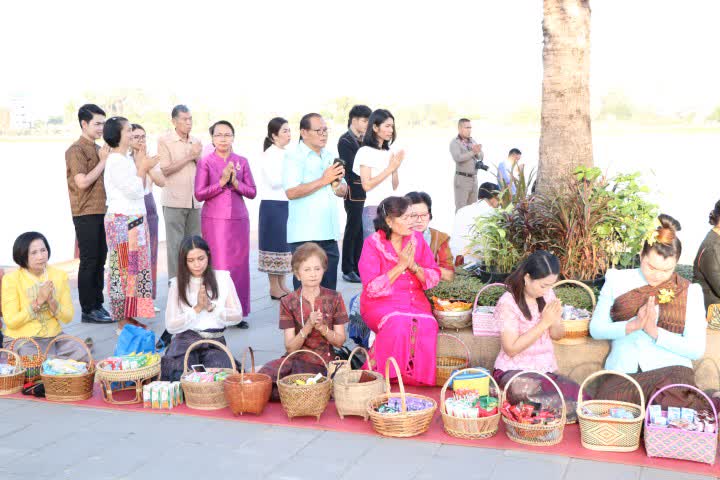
222	181
396	267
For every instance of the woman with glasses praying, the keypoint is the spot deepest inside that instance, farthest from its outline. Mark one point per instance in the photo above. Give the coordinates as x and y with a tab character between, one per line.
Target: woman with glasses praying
377	165
222	181
421	214
396	267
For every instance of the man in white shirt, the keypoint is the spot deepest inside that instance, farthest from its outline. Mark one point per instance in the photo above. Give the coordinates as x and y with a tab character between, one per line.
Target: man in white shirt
465	220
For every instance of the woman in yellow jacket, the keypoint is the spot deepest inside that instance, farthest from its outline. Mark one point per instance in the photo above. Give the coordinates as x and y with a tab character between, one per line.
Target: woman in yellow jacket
36	300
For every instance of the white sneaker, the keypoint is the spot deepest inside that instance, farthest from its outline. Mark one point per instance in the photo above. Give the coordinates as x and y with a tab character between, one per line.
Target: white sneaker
157	310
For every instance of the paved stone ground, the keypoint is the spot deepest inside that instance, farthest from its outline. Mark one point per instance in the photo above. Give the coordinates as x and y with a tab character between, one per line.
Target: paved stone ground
48	441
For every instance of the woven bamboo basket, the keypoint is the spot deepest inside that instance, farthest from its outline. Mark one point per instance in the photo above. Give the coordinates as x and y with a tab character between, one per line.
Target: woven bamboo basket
137	377
303	400
445	365
351	397
610	434
469	428
576	331
12	383
405	423
453	320
32	363
535	435
483	317
206	395
248	392
70	388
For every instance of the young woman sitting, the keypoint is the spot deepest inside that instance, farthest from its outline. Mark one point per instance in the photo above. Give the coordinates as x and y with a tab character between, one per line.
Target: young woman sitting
202	302
530	316
311	318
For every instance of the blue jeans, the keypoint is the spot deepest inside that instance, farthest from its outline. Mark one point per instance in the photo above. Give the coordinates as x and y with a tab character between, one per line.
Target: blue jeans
329	279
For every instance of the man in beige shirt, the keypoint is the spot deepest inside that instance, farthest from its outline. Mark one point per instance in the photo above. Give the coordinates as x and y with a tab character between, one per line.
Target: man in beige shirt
179	153
468	157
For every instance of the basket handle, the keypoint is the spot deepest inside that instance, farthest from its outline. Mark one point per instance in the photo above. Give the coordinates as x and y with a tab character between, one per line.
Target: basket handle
352	354
459	372
401	386
674	385
300	351
459	340
579	284
209	342
525	372
252	361
611	372
485	288
25	340
18	359
91	363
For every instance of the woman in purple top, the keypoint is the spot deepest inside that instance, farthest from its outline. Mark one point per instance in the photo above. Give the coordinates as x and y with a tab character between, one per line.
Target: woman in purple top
222	181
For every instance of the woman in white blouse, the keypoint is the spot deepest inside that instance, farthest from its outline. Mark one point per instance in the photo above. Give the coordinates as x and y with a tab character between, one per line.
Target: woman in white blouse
129	277
273	250
202	302
377	165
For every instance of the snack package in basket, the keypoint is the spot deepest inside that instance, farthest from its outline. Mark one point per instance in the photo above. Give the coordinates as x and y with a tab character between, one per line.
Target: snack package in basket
478	381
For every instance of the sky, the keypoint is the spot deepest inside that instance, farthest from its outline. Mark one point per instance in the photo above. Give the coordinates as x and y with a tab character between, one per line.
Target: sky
281	56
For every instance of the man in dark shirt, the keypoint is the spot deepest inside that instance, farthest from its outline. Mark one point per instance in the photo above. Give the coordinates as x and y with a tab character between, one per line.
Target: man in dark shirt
348	145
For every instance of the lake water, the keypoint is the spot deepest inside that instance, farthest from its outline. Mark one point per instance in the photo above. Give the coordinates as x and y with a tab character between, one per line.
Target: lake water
681	169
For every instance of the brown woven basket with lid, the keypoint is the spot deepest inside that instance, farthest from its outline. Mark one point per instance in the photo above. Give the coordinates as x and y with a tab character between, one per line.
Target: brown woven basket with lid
70	388
206	395
535	435
248	392
469	428
403	424
13	382
351	397
303	400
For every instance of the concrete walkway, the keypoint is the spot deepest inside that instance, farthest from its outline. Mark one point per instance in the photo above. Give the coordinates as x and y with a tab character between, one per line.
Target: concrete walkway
49	441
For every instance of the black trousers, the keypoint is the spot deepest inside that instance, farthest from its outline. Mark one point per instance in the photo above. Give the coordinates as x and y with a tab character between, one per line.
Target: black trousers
90	233
329	280
353	237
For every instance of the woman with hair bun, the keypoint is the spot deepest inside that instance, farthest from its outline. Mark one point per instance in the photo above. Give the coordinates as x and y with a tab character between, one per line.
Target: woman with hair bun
656	322
396	267
706	267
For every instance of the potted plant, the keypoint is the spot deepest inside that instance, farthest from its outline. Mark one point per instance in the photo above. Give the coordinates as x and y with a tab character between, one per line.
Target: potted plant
489	240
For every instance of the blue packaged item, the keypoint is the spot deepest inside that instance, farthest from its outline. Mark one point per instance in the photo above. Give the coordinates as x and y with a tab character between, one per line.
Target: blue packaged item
134	339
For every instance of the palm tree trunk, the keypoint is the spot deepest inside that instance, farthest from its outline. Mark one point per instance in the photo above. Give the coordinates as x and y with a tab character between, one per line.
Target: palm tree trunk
565	131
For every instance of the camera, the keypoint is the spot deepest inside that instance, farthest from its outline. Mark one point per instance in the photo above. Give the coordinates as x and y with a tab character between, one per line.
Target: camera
479	165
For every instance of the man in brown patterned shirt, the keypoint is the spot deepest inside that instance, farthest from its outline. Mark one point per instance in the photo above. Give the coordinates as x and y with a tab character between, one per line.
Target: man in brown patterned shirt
85	163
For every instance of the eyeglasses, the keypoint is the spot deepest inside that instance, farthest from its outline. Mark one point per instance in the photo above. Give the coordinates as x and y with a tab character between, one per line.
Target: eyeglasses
223	135
139	137
419	216
320	131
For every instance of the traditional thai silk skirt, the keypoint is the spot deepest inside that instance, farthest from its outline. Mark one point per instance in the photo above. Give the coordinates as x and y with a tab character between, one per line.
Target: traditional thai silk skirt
129	278
274	252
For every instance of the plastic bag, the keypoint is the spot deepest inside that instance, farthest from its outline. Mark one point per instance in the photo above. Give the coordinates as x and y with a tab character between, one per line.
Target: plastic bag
134	339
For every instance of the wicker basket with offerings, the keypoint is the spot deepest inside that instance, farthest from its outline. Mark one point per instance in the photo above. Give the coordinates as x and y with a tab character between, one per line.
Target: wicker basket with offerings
469	414
610	425
248	392
68	387
529	424
452	314
400	414
576	320
452	354
32	363
206	390
483	316
127	373
681	433
304	394
353	388
12	375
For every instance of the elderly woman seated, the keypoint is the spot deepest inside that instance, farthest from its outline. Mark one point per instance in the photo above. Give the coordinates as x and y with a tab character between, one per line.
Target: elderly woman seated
312	318
396	267
36	301
421	214
656	322
706	268
201	303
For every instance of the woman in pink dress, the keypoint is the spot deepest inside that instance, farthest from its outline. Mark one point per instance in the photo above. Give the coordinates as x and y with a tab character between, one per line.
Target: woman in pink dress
396	267
530	316
222	181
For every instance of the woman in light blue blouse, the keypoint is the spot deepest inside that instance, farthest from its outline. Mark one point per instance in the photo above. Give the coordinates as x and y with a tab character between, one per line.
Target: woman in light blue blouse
656	322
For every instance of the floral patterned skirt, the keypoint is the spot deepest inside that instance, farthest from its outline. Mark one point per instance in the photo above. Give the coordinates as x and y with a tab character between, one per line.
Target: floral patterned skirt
273	250
129	276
